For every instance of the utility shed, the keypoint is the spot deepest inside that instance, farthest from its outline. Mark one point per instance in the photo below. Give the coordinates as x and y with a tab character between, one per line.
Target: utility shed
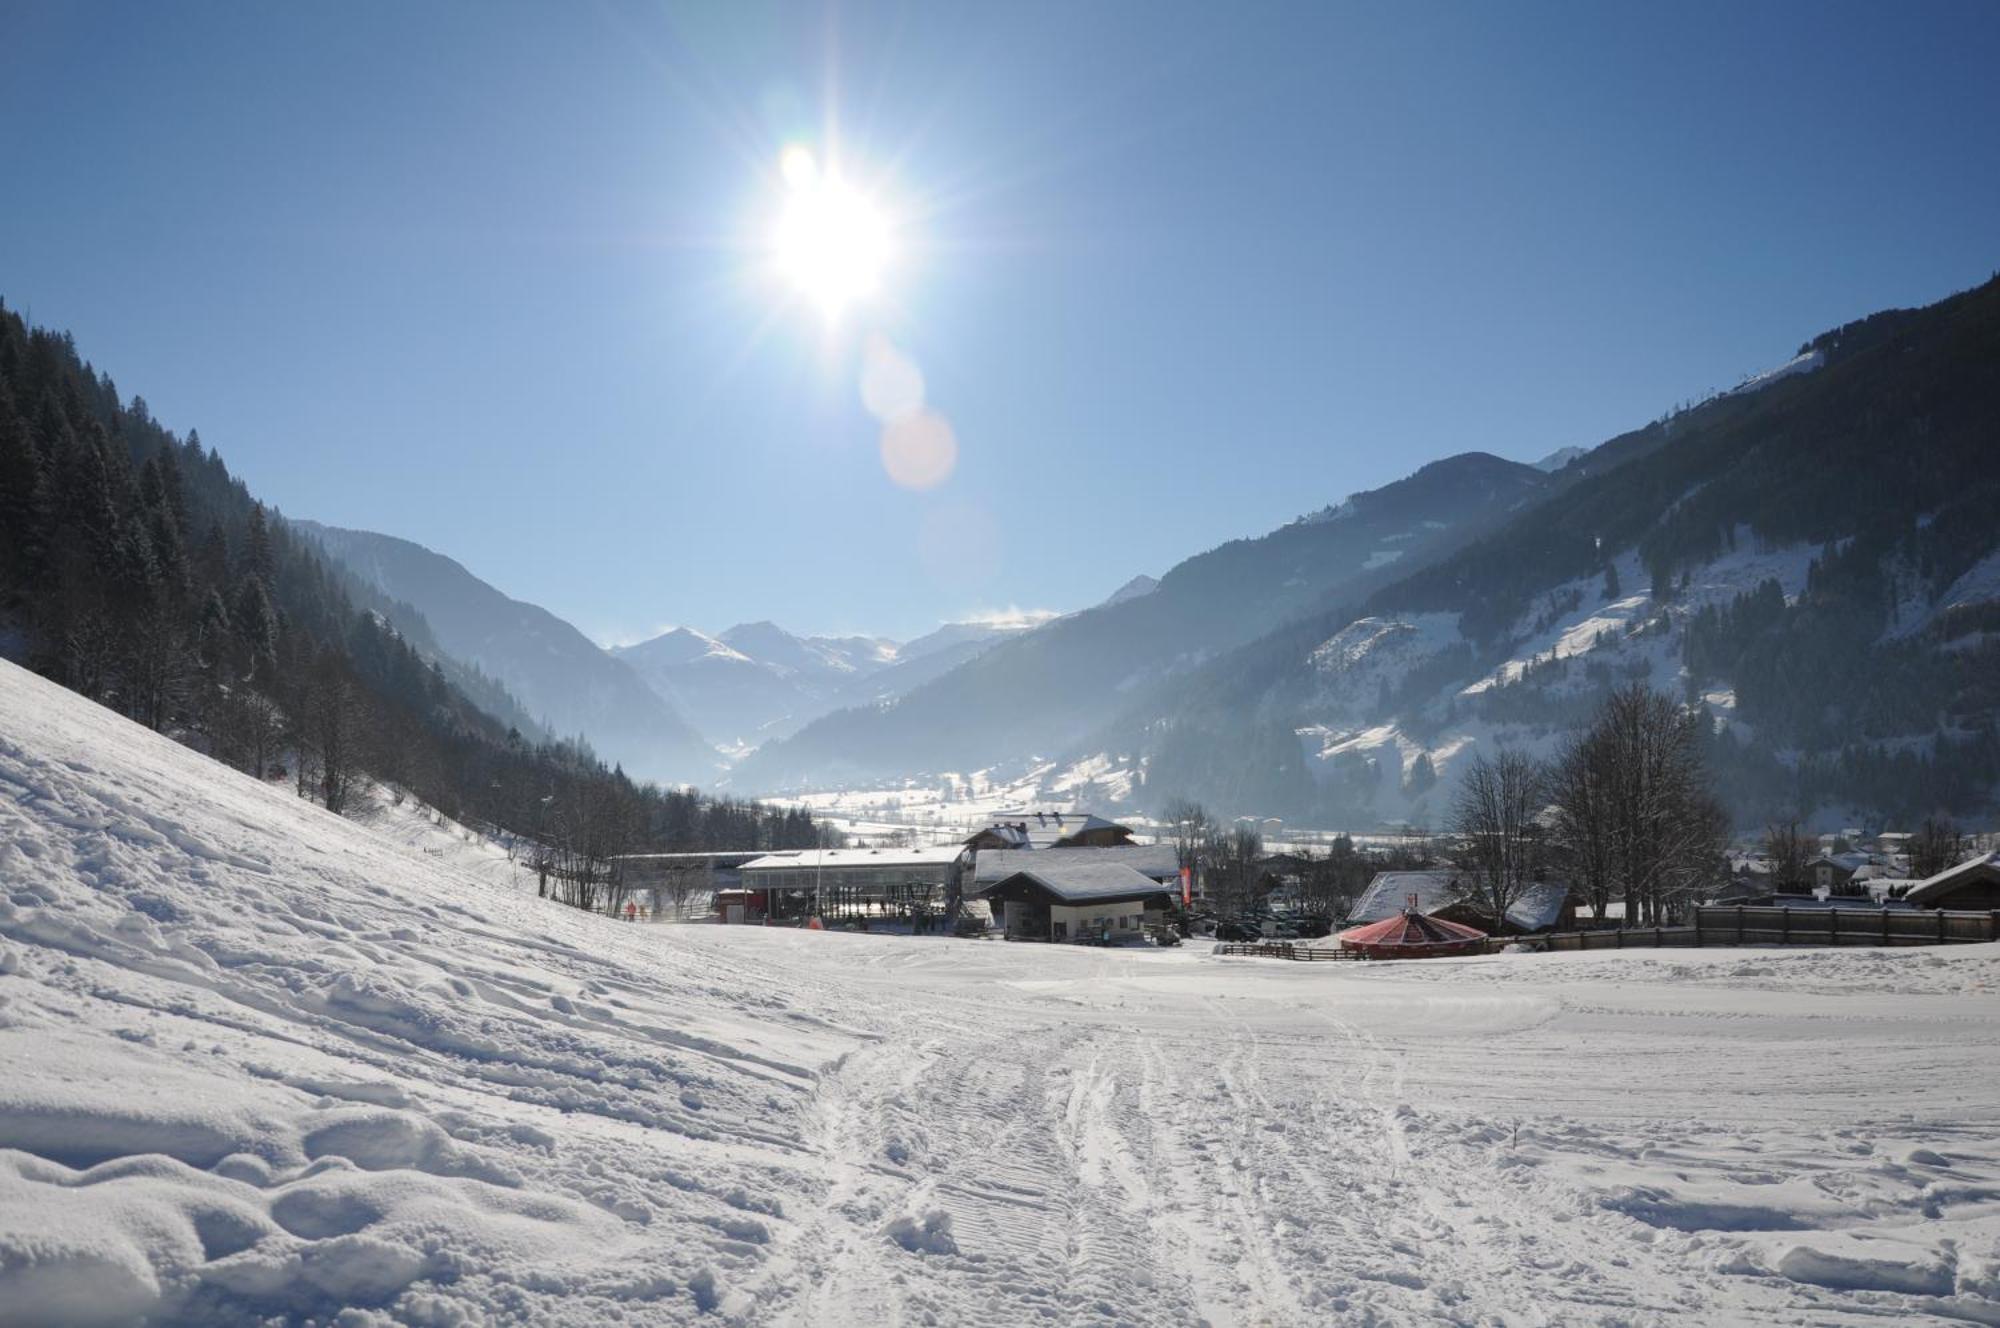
1969	885
1069	901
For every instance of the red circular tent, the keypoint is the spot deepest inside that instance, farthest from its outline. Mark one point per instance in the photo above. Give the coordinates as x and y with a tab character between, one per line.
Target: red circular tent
1412	935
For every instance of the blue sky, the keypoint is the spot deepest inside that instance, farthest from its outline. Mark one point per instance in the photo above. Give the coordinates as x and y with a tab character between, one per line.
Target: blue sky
490	277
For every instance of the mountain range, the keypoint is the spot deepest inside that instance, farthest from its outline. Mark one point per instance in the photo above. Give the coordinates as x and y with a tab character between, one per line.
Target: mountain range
632	703
1771	554
1809	556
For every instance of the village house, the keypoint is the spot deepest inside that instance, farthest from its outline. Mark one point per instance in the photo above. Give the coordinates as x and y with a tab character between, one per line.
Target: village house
1834	872
1969	885
1071	898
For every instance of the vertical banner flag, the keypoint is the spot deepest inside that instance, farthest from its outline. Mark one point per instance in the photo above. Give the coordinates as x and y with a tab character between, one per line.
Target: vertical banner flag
1187	886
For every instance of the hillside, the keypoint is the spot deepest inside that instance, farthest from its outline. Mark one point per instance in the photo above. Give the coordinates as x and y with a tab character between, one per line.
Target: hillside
1046	690
1810	557
559	675
265	1065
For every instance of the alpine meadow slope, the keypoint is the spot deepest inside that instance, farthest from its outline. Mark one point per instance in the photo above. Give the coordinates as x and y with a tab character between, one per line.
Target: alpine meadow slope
265	1064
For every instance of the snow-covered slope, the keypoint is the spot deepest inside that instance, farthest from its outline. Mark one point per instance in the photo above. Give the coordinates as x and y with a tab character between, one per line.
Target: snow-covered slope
260	1060
259	1064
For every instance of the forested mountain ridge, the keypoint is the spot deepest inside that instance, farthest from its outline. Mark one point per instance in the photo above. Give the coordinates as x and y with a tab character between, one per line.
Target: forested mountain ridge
561	677
1043	691
1812	558
137	571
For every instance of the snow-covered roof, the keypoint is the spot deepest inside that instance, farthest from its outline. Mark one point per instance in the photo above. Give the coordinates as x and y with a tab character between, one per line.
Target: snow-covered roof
1044	829
1538	908
1389	894
1951	878
1156	861
831	858
1067	880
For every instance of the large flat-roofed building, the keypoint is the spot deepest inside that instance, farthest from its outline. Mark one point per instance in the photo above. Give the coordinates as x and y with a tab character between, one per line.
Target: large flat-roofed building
844	883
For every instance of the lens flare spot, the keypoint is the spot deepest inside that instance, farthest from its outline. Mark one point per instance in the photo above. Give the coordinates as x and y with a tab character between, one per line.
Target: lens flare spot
892	385
798	167
919	449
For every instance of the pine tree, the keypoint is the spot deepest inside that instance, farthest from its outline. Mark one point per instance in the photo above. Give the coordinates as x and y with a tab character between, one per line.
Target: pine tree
255	626
258	559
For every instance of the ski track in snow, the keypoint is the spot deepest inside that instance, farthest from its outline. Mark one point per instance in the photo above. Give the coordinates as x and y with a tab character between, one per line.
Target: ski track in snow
263	1064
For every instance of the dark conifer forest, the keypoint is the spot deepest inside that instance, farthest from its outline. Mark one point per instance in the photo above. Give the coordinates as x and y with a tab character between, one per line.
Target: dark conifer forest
137	571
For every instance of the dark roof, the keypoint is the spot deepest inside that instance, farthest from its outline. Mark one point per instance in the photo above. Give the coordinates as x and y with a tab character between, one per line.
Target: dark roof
1154	860
1071	882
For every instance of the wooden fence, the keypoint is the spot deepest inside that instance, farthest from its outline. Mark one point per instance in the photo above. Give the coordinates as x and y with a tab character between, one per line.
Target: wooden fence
1764	924
1286	950
1723	924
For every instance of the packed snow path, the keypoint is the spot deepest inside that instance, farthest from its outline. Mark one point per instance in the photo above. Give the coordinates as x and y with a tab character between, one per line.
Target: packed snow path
260	1063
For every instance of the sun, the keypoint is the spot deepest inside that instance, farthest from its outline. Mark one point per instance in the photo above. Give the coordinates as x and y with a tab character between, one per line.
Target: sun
832	242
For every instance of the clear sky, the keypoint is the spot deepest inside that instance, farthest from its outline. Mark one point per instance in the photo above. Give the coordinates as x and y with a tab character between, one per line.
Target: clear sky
494	277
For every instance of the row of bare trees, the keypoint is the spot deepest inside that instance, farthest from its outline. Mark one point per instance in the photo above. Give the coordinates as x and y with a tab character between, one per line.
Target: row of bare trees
1234	872
1223	858
1623	812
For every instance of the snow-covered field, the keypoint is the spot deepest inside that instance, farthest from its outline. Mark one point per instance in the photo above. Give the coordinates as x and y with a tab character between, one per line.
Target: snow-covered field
259	1063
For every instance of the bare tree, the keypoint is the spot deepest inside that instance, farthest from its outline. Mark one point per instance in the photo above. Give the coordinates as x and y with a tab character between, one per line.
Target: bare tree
328	728
1937	846
592	823
1580	785
1192	833
1665	830
1329	882
1500	840
1231	861
1789	850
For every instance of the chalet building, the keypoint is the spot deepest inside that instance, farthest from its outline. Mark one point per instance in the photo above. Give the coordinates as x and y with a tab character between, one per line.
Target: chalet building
1156	862
1070	898
1969	885
1834	872
1039	830
1543	906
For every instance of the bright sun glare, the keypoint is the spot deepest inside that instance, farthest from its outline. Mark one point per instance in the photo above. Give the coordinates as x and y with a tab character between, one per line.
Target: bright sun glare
831	241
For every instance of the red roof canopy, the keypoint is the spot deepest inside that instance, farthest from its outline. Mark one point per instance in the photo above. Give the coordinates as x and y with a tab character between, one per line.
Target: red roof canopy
1412	935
